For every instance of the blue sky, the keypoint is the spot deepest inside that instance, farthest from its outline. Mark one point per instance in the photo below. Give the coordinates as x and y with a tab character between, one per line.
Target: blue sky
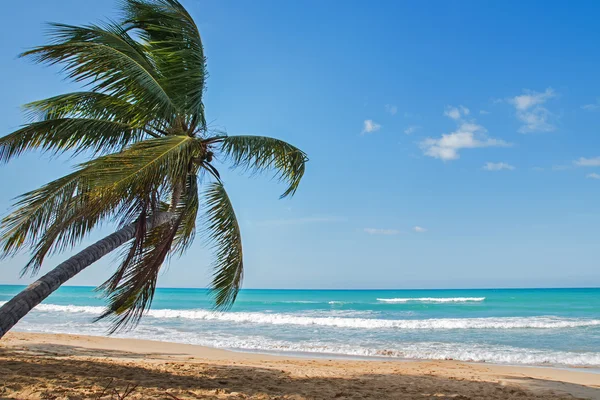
452	144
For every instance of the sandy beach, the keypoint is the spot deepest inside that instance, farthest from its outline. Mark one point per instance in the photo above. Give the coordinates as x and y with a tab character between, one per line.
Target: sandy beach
45	366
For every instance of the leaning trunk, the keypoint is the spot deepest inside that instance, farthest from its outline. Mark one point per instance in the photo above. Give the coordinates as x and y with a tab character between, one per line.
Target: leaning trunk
17	307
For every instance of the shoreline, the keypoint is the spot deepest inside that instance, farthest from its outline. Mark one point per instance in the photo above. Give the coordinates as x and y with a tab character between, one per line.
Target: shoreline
47	356
349	357
307	355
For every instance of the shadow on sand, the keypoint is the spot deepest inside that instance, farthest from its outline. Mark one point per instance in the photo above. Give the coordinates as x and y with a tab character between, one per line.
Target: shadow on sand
66	372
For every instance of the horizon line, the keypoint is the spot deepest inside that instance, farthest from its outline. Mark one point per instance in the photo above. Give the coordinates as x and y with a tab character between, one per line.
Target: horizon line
354	289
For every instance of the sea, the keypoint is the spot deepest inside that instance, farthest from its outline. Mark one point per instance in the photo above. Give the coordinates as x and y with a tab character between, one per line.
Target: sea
551	327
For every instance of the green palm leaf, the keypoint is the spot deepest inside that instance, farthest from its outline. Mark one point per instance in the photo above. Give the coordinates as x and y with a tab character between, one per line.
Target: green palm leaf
88	105
36	210
224	232
188	207
110	61
144	166
71	223
68	208
259	153
174	44
131	289
62	134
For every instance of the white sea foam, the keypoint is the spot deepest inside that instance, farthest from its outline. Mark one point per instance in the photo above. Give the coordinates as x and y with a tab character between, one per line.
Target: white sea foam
540	322
432	300
422	350
69	309
410	350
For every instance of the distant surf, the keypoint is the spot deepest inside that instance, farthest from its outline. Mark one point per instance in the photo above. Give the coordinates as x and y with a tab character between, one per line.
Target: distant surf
433	300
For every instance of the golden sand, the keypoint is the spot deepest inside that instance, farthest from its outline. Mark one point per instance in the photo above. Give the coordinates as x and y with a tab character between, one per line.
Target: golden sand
40	366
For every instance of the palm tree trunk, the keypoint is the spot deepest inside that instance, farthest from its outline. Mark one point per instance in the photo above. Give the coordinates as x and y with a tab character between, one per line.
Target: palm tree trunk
17	307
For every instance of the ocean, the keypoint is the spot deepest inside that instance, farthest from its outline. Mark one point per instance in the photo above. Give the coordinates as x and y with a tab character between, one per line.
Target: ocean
558	327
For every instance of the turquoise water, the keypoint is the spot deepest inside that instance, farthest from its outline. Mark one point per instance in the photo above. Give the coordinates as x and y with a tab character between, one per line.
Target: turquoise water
516	326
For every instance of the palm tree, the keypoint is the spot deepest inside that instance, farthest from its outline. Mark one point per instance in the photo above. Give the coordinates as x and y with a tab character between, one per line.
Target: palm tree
142	124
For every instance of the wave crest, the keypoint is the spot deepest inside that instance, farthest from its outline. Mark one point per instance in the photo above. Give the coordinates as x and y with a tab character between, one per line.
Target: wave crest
540	322
433	300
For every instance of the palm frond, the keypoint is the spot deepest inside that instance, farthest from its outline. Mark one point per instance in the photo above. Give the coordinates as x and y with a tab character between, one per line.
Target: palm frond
224	232
60	213
110	61
259	153
71	223
188	207
173	42
87	105
36	210
130	293
63	134
144	166
131	289
52	222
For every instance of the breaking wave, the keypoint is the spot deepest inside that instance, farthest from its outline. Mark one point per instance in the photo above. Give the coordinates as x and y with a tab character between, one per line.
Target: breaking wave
540	322
433	300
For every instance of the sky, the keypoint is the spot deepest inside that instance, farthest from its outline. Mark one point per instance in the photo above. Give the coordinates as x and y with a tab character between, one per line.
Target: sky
452	144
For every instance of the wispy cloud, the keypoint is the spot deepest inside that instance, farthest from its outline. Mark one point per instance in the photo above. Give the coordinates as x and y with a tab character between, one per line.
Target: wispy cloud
531	112
587	162
561	167
468	135
538	169
419	229
377	231
592	107
456	113
593	176
302	220
391	109
484	112
412	129
370	126
490	166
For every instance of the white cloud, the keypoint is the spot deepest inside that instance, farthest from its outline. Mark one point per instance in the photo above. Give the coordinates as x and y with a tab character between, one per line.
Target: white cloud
376	231
538	169
483	112
587	162
412	129
531	98
419	229
592	107
560	167
456	113
593	176
468	135
498	166
370	126
531	113
535	121
391	109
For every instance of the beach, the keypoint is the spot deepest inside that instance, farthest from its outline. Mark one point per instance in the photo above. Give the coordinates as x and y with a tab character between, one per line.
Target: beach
538	327
60	366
